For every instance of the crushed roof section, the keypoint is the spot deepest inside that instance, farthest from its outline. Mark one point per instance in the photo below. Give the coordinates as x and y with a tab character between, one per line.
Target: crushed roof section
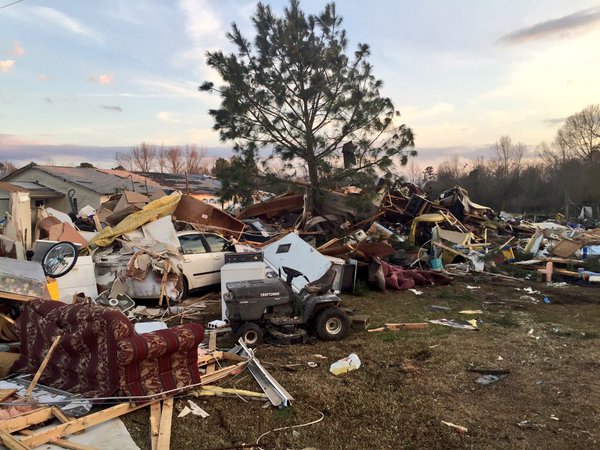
199	184
100	180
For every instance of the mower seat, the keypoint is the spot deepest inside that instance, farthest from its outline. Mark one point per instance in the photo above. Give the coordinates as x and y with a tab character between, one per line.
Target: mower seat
322	285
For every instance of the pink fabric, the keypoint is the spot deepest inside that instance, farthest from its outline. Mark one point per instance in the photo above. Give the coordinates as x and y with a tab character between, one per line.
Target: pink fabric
398	278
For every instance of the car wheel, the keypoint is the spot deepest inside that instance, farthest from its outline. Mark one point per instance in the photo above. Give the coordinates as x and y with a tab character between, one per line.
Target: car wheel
333	324
251	333
185	289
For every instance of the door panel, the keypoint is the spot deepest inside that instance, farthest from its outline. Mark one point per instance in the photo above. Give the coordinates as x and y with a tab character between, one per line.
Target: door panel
197	262
218	247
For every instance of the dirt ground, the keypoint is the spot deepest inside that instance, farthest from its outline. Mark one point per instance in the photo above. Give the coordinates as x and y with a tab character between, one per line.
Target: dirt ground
411	381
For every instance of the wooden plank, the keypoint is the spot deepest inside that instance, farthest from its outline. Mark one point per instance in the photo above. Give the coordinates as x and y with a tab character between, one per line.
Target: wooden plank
155	414
5	393
64	429
12	442
64	443
42	367
221	373
406	326
211	358
25	421
56	412
166	418
376	330
212	346
17	297
228	356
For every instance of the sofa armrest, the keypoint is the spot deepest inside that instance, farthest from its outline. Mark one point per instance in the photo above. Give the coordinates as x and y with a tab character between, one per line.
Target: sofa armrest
153	345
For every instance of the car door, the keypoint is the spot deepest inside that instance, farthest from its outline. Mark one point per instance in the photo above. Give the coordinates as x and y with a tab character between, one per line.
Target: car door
218	246
197	260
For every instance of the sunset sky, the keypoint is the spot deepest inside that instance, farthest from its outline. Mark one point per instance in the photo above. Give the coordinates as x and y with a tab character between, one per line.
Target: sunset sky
80	80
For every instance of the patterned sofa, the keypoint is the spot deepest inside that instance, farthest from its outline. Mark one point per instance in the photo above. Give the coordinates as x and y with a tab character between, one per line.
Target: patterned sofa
99	353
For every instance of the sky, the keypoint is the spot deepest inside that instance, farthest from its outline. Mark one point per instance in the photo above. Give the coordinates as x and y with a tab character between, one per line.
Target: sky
82	80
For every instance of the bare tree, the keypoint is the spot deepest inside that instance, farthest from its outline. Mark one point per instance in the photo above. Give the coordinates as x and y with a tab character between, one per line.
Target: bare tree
580	133
6	168
143	157
174	159
452	169
508	157
161	158
194	158
415	175
125	160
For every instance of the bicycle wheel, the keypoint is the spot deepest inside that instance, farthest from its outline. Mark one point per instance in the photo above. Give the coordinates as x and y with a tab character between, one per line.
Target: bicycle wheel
59	259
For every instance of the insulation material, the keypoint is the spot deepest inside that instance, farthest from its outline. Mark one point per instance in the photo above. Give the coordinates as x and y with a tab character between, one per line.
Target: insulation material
164	206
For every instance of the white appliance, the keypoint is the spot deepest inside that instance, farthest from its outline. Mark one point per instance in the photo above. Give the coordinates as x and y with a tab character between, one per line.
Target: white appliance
80	278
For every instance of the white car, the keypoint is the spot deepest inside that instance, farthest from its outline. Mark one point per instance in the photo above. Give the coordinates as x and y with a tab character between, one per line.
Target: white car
203	256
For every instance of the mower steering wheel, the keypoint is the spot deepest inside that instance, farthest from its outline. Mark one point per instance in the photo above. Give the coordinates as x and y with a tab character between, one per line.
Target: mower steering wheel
292	272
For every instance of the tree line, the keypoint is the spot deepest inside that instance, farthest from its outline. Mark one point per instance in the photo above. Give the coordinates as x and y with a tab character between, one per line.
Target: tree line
561	177
175	159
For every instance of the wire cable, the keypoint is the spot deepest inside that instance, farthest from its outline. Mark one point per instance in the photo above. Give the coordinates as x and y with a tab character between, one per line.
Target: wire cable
293	426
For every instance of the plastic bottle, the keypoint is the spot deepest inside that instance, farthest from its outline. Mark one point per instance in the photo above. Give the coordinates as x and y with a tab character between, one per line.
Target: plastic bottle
351	362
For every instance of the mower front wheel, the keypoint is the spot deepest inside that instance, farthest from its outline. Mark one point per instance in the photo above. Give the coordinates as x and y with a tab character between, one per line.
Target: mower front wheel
333	324
251	333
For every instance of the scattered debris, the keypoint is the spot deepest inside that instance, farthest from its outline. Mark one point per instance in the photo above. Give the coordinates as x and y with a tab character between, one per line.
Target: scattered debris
347	364
462	325
194	409
458	428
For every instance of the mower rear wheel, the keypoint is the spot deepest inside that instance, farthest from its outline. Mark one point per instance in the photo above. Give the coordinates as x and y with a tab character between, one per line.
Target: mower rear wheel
251	333
333	324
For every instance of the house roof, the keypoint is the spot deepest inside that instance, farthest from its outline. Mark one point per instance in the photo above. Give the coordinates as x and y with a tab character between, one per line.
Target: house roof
104	182
11	187
35	190
198	184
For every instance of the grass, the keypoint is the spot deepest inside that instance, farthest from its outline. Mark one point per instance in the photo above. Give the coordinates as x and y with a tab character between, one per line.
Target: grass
506	320
410	381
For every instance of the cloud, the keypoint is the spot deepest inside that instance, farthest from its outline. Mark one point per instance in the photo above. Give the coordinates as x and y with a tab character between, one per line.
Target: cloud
6	65
17	50
104	79
554	121
44	77
67	23
561	27
171	88
167	116
412	112
206	32
48	100
116	108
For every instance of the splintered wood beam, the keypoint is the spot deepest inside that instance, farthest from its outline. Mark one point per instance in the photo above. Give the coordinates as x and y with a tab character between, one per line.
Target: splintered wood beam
56	432
212	346
25	421
154	424
218	374
12	442
56	412
42	367
166	418
406	326
5	393
64	443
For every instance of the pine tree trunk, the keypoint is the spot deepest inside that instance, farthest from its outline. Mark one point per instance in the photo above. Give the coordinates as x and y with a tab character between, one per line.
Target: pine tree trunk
314	192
